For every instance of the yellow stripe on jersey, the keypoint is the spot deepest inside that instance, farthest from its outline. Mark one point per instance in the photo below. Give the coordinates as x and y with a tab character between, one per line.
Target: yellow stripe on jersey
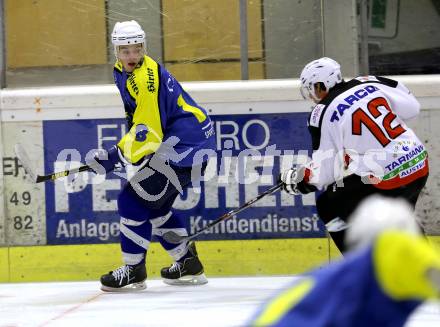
284	302
199	114
146	134
402	262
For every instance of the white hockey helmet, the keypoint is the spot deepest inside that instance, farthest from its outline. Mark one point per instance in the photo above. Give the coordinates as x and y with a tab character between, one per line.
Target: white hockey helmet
377	214
128	33
324	70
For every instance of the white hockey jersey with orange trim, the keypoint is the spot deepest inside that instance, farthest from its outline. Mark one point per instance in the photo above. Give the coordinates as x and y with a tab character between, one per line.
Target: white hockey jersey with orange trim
360	128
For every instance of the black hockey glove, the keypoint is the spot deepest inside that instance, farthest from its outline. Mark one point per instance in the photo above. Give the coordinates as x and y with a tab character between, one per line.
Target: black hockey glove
290	179
293	181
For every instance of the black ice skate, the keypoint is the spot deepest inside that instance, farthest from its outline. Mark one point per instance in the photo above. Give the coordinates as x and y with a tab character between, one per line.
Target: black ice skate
125	278
188	272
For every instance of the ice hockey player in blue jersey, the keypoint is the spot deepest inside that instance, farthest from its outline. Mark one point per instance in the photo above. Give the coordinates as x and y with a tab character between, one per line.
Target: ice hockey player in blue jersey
168	139
391	270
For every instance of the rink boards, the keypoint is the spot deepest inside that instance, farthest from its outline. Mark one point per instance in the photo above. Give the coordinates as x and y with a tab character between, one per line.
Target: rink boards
260	130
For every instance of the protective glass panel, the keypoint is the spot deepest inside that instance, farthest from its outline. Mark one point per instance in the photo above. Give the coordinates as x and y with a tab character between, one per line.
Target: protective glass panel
403	37
51	42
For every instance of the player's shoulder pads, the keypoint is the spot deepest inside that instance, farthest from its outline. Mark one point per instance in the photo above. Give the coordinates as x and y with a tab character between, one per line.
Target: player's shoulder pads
378	79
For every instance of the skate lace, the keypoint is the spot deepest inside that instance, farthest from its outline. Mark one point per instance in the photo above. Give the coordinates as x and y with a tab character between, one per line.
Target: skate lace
175	267
122	272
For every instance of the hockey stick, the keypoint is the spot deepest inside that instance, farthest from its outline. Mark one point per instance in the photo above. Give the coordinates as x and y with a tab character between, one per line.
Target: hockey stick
26	163
174	238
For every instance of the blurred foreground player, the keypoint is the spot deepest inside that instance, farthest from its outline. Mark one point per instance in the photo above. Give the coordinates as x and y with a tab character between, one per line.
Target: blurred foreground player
167	133
391	270
361	144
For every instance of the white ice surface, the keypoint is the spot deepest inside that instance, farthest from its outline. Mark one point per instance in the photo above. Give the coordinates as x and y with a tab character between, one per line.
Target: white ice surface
222	302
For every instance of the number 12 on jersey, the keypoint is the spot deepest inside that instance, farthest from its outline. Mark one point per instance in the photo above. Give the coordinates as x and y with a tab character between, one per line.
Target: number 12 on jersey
384	133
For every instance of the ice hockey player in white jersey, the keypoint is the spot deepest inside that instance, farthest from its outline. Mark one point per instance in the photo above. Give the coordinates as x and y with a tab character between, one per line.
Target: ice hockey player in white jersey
361	144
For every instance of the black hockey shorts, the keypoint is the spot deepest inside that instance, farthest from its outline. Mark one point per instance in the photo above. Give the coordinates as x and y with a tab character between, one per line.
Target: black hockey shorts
342	201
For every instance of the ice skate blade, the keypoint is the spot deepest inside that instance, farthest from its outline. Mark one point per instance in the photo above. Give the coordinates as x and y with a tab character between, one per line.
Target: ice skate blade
187	280
136	287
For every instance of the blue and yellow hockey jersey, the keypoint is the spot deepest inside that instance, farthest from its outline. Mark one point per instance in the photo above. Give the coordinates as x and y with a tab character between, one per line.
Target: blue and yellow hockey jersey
158	108
379	286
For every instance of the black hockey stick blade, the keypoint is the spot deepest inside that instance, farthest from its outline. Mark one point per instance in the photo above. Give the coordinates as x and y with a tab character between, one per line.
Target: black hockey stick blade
22	156
174	238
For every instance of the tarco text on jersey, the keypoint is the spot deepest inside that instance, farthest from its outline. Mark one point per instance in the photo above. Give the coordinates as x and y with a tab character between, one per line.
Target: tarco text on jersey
356	96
